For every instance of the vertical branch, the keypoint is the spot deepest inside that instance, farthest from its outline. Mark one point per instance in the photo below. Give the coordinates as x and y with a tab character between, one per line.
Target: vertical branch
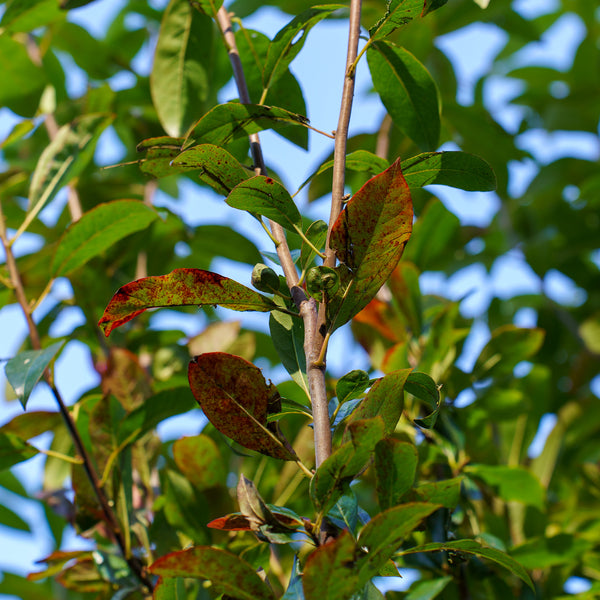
109	515
306	306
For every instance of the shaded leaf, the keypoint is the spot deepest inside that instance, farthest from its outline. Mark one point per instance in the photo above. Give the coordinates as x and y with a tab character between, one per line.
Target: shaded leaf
208	7
266	197
218	168
9	518
407	91
181	287
199	459
455	169
421	386
14	450
98	230
316	234
545	552
428	590
397	14
228	572
180	80
25	370
234	397
369	237
64	158
227	122
446	492
395	469
25	16
475	548
352	385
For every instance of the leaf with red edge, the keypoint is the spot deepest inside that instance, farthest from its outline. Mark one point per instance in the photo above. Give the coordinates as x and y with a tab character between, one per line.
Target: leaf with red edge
181	287
233	522
234	397
368	238
227	572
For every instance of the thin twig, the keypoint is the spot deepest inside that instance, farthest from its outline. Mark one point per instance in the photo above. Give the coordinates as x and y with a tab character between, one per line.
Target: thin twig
306	306
109	515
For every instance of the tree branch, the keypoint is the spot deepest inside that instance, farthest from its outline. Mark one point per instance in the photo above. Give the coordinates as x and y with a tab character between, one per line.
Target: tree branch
109	515
307	306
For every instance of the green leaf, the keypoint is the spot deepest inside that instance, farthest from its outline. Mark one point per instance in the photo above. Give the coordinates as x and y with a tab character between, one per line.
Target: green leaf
328	573
421	386
9	518
395	470
455	169
475	548
352	385
14	450
287	333
227	122
289	41
208	7
368	238
407	91
445	492
227	571
397	14
218	168
235	398
180	80
22	81
428	590
383	534
199	459
266	197
65	158
589	330
159	155
181	287
25	370
316	234
551	551
508	346
385	399
27	15
97	231
513	483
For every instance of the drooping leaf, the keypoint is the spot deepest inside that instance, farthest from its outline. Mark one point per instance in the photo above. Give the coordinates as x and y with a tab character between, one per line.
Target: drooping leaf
329	572
97	230
509	346
225	570
397	14
455	169
218	168
266	197
407	91
159	155
180	80
475	548
514	484
14	450
316	234
368	238
230	121
395	469
385	398
352	385
423	387
64	158
181	287
290	40
234	397
25	370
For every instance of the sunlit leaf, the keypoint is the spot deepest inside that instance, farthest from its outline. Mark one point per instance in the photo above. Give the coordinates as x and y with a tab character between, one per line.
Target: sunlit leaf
180	82
227	571
407	91
182	287
199	459
98	230
368	238
397	14
475	548
64	158
266	197
227	122
25	370
455	169
234	397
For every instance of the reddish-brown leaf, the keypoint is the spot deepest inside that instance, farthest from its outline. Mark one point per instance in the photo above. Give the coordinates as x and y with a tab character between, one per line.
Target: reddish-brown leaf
234	397
368	238
181	287
233	522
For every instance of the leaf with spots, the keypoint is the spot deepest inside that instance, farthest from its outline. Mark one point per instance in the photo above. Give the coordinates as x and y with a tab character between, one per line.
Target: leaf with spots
235	398
368	238
227	572
266	197
181	287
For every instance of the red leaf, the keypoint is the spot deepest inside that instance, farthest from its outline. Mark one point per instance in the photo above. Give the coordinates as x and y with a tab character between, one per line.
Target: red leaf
234	522
368	238
234	397
181	287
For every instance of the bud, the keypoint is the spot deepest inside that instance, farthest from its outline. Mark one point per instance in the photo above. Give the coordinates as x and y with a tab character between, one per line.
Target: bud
322	282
